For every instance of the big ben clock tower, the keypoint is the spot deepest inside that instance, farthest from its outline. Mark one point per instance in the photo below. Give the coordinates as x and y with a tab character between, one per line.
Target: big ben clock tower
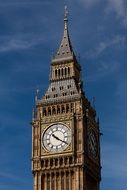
65	132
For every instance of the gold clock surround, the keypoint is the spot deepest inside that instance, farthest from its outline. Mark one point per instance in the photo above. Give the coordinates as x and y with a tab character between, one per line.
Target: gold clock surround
56	138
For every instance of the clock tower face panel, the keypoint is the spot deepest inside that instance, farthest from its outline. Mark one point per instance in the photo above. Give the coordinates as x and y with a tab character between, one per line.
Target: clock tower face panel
92	144
56	138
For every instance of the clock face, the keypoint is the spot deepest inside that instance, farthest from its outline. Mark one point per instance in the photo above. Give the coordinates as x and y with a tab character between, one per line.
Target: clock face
92	144
56	138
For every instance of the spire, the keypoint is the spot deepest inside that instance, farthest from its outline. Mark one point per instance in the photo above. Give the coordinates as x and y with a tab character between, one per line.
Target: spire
66	18
65	51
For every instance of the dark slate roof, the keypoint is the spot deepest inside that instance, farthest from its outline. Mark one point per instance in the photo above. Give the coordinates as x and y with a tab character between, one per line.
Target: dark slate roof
64	89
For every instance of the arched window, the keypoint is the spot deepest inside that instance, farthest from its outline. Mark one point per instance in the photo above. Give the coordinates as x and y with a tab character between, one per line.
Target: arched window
61	161
51	162
59	73
49	111
53	110
70	160
67	181
68	71
56	162
72	180
58	109
62	72
63	109
44	111
72	107
62	181
67	108
46	163
52	181
65	160
57	181
65	72
56	73
42	163
48	181
43	182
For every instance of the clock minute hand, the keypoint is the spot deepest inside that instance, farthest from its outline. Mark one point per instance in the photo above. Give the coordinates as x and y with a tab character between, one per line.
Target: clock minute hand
64	142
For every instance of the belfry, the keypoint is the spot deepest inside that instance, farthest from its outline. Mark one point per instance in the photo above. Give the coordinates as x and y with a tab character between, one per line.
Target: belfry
65	131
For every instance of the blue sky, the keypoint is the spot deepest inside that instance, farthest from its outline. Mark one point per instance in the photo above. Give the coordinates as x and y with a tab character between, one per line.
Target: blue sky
30	33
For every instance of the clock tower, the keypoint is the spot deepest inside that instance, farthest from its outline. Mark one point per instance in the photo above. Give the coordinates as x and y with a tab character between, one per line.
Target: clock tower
65	131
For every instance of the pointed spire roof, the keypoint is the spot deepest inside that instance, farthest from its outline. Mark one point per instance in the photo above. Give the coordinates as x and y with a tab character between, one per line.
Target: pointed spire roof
65	51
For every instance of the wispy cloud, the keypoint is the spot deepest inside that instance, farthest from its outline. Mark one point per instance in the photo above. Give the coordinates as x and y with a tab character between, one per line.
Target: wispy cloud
12	177
122	90
22	3
119	7
19	44
89	3
118	41
114	161
103	69
121	95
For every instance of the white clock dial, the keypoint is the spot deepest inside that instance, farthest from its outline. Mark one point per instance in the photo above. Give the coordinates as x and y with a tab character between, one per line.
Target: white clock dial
56	138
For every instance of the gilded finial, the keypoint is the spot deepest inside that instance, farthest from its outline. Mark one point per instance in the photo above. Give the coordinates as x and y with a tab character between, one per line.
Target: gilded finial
65	17
66	14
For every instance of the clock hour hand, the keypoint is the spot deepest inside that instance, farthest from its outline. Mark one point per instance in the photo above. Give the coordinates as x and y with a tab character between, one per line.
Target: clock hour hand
59	139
